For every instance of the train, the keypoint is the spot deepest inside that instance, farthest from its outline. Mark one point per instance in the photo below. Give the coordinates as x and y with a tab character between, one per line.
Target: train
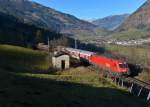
112	66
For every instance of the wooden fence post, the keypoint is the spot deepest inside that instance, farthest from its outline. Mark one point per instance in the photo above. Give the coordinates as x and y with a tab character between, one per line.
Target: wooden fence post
115	80
131	87
118	81
122	83
140	91
148	96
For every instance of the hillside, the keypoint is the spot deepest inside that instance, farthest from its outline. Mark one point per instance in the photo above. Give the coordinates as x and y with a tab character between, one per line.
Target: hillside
139	19
23	86
19	59
13	31
130	34
111	22
136	26
44	17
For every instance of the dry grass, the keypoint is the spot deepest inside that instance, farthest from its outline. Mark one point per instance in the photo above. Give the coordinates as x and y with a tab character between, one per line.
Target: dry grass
144	77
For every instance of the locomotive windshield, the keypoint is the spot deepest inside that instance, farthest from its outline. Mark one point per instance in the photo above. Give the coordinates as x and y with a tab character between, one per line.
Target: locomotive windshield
123	65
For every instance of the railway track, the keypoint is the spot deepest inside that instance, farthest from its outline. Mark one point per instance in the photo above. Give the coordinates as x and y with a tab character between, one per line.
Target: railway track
134	86
141	83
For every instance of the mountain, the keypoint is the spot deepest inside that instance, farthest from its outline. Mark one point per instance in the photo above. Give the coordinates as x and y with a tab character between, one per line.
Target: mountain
38	15
111	22
13	31
140	19
90	20
136	26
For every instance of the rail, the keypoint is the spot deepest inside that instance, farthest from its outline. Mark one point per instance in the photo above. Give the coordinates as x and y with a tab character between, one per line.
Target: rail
134	86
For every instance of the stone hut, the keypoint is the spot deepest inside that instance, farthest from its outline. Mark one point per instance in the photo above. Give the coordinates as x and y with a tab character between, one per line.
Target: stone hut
61	61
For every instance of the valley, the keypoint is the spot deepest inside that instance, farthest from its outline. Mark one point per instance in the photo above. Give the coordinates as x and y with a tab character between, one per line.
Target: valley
31	33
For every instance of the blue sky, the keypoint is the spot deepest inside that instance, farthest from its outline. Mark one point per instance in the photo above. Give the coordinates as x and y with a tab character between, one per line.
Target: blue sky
93	9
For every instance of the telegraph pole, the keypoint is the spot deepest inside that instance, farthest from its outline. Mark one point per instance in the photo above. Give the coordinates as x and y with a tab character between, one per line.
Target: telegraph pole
76	44
49	54
48	44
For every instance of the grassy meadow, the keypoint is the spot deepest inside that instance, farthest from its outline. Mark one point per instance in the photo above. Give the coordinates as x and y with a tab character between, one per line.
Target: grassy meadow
21	86
21	59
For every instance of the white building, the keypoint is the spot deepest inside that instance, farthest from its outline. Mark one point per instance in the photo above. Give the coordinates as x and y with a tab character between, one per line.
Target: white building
61	62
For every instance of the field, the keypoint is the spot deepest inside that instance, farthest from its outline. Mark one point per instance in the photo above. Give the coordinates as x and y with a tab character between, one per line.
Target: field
22	86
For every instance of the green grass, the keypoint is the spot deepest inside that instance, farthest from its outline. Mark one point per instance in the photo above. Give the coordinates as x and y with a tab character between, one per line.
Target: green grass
75	75
41	90
18	58
76	87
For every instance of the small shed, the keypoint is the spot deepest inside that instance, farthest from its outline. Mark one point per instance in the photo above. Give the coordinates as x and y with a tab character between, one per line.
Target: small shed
61	61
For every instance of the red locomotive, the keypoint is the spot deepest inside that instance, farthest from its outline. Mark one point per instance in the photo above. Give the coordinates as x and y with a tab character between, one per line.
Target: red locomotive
116	67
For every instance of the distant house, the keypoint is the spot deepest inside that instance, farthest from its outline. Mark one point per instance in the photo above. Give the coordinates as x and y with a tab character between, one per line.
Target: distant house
42	46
